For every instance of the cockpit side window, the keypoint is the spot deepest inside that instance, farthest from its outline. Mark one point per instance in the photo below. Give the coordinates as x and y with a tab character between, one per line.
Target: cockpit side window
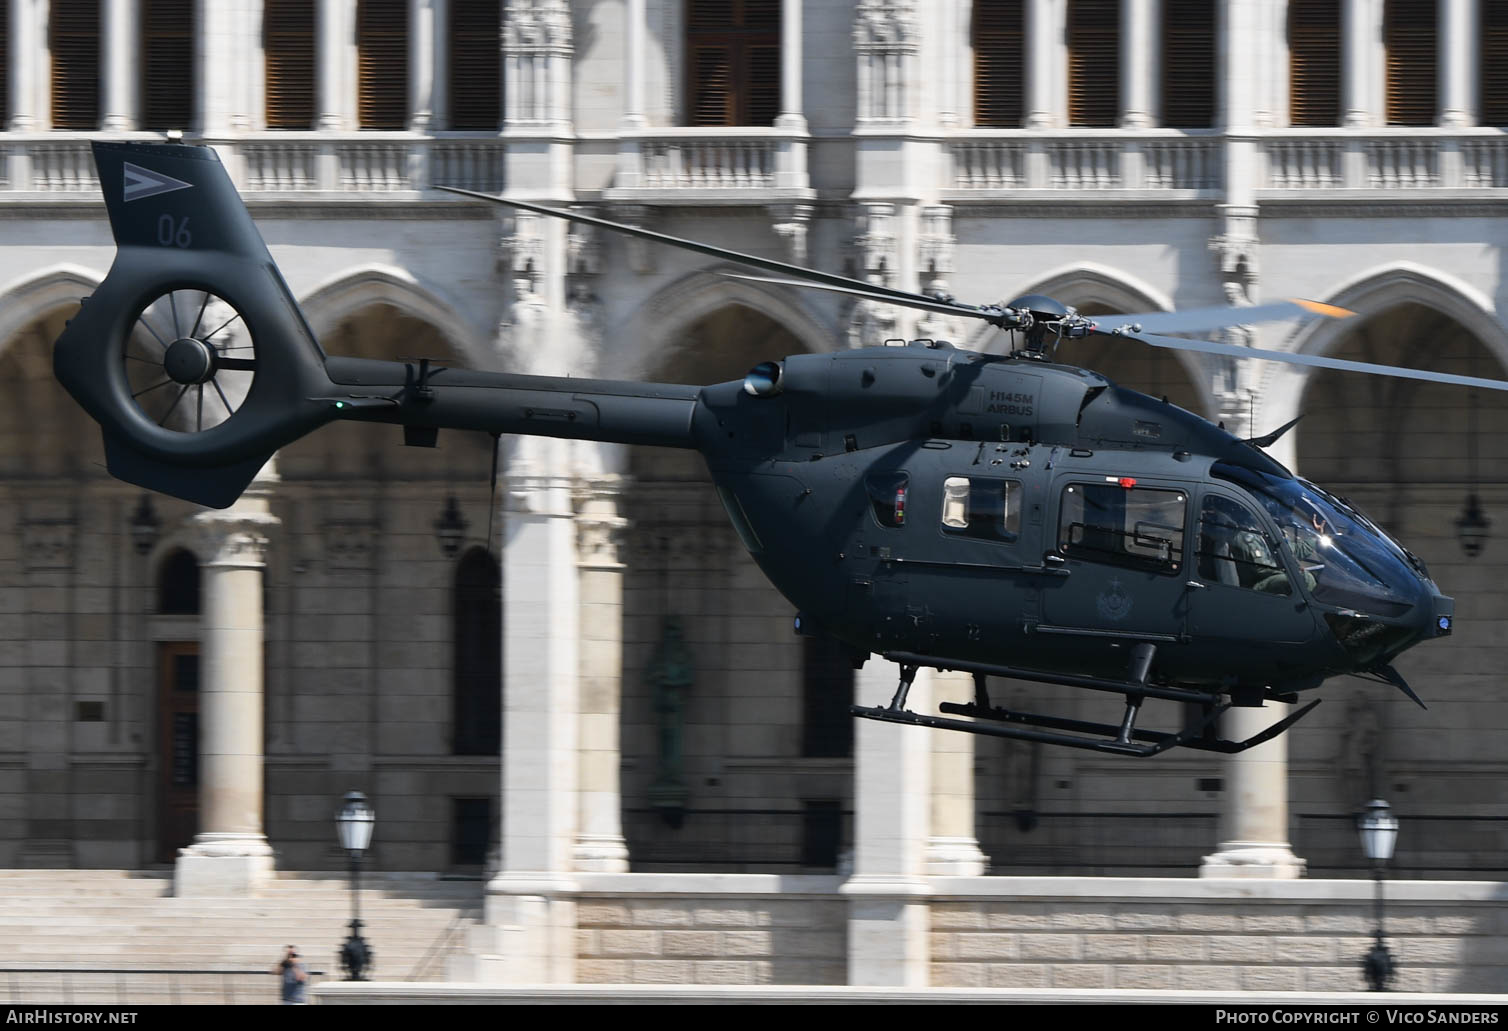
1139	527
1236	550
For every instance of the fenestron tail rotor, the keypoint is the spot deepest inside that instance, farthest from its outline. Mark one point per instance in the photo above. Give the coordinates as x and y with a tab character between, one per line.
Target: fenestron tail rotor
189	360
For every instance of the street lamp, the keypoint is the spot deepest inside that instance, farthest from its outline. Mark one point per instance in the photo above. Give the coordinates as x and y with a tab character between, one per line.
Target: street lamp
144	525
1379	832
450	528
354	825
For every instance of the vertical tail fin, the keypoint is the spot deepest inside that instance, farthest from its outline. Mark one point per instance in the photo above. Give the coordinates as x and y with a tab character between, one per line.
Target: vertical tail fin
192	355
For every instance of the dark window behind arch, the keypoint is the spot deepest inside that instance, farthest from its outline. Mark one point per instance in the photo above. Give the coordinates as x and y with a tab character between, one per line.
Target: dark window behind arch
73	38
476	65
288	46
477	622
168	34
382	64
178	584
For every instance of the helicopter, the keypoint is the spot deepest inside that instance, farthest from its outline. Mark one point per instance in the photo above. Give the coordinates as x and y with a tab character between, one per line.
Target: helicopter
995	514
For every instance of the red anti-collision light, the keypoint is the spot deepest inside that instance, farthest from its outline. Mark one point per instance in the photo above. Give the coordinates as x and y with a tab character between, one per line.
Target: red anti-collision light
1127	481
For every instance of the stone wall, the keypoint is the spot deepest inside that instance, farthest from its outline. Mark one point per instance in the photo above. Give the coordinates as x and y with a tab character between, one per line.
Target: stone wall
1447	937
1052	932
681	929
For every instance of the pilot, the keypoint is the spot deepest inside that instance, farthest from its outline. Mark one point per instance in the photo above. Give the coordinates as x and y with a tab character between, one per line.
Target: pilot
1301	543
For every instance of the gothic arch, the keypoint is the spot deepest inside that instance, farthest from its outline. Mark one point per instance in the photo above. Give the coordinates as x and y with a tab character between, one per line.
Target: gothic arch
33	296
1369	294
664	317
338	298
1085	284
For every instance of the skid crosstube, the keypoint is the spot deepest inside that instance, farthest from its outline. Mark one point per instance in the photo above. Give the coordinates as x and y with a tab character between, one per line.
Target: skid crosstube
1122	739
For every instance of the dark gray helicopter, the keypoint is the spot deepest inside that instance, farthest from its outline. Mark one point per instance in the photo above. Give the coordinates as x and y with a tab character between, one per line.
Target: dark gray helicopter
998	514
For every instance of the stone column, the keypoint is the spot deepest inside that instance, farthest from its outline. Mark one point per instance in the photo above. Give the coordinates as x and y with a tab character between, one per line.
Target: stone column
1042	63
332	40
1139	46
530	905
888	922
790	159
422	65
1254	826
599	528
952	847
221	32
1457	61
791	116
230	855
25	44
634	24
120	19
1359	40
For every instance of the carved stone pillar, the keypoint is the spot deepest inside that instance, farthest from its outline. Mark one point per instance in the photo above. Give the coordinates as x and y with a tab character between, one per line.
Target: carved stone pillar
952	847
886	40
230	854
888	922
530	900
1254	826
599	529
537	52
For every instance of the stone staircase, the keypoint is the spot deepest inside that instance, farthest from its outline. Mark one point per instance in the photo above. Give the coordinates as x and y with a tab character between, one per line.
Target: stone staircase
92	926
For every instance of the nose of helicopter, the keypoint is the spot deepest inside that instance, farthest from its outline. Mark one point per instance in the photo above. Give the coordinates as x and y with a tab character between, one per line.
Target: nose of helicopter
1442	611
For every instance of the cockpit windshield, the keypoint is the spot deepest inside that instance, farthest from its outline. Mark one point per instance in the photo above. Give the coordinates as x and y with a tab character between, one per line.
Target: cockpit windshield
1345	560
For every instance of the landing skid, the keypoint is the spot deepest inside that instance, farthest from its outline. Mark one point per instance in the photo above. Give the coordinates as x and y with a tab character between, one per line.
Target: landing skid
1121	739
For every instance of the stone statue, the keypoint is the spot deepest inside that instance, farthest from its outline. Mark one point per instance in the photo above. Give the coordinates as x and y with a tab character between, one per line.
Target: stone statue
670	674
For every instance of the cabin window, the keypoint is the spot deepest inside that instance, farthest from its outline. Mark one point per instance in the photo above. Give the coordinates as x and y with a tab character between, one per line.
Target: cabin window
1138	527
989	509
887	496
1236	550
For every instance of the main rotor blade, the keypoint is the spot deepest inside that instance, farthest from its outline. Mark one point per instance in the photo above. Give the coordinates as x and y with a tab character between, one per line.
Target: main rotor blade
1314	360
767	264
1197	319
993	315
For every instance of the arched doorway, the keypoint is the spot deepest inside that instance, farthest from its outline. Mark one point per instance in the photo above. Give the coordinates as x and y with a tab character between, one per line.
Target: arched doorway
362	626
721	771
1408	453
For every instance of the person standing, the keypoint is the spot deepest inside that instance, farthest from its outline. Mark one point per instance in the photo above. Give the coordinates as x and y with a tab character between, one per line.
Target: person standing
295	978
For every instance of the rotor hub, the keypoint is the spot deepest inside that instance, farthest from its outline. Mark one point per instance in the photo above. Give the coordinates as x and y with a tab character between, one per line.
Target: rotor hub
189	361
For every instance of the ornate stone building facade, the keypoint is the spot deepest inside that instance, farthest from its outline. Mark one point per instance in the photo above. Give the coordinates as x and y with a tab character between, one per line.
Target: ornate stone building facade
342	627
